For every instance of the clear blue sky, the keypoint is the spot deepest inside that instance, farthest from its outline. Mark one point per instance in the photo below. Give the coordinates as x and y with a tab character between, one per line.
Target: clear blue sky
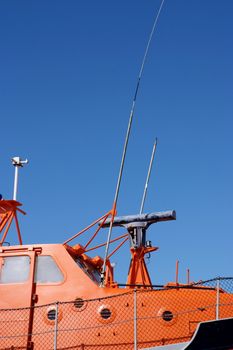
68	71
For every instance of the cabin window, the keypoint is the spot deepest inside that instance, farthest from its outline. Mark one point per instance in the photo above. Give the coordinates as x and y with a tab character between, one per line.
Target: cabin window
47	271
93	273
14	269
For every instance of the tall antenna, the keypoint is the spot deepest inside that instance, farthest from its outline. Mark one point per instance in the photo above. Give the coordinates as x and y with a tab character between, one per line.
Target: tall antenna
18	163
148	176
127	139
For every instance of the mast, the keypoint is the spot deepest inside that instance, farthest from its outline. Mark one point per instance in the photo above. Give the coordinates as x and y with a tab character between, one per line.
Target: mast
148	177
9	209
17	162
126	141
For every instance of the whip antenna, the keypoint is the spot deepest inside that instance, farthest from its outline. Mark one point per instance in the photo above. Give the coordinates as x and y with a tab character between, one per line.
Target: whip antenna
148	176
127	139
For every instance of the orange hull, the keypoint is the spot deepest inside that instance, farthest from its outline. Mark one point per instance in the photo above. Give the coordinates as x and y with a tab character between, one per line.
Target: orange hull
90	316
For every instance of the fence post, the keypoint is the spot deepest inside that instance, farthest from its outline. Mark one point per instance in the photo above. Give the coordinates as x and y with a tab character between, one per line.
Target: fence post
55	327
217	298
135	320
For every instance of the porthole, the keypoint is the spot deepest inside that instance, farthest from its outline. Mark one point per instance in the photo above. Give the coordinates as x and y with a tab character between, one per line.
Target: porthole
167	316
78	303
105	313
51	314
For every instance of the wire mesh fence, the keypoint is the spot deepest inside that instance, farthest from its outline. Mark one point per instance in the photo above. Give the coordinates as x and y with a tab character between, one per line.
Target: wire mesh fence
135	319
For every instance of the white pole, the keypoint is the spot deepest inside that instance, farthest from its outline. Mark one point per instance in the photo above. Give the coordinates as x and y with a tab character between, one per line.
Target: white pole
148	176
135	321
17	162
217	297
16	182
55	328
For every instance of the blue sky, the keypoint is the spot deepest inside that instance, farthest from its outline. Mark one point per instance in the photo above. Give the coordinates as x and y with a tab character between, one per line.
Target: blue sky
68	71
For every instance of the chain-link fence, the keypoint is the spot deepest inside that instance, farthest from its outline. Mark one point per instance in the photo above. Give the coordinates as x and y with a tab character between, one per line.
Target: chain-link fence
136	319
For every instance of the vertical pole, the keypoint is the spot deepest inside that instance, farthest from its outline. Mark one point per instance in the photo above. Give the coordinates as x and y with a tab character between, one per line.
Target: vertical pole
177	272
188	276
217	298
148	177
55	326
17	162
135	320
16	182
126	142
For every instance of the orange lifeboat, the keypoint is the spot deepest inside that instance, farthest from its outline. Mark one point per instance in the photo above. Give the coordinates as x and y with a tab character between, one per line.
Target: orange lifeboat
52	295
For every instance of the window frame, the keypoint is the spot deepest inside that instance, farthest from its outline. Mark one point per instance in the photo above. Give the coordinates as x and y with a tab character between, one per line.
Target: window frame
42	284
25	281
79	262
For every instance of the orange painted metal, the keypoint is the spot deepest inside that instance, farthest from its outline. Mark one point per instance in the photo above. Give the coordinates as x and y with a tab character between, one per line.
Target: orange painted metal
188	306
87	228
8	212
117	248
96	232
138	273
7	224
102	219
20	294
104	244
